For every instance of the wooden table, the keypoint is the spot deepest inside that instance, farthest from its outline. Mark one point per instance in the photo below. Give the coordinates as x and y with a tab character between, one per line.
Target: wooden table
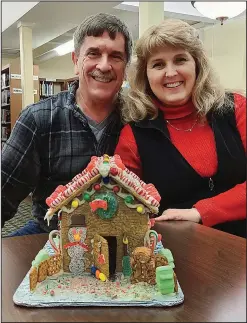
210	265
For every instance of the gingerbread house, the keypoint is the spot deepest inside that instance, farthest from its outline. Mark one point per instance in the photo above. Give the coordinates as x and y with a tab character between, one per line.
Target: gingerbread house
104	214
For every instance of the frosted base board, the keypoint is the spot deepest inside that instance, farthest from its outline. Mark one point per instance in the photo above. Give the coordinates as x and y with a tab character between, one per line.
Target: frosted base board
66	289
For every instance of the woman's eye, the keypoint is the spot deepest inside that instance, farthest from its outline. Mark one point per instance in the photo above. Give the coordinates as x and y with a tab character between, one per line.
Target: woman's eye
158	65
181	59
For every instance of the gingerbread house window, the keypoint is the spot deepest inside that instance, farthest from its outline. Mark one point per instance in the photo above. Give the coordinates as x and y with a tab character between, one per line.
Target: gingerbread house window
78	220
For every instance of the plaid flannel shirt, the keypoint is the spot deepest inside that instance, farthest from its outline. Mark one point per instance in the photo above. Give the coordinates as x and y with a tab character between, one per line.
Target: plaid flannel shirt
50	143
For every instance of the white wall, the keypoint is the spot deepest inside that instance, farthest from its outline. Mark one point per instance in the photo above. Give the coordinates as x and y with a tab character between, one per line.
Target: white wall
226	45
6	61
60	67
12	11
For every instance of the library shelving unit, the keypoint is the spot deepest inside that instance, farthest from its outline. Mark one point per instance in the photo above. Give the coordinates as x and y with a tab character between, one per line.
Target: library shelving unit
48	87
11	96
69	81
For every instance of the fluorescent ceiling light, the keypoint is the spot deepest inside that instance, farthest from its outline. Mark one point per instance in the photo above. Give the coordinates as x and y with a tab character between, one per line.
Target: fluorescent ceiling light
219	10
173	7
65	48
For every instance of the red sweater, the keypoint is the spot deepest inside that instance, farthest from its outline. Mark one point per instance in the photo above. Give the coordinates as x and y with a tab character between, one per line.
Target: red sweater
198	148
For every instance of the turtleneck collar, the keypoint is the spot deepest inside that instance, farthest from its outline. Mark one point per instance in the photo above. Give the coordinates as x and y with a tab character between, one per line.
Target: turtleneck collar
171	112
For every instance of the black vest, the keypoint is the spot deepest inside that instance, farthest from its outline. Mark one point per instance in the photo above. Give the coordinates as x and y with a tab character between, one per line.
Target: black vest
179	185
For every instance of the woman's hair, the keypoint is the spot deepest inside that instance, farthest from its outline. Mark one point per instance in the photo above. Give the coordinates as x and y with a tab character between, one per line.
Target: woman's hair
207	92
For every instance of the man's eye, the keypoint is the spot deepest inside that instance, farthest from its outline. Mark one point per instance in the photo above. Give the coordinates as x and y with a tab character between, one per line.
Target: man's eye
117	57
93	54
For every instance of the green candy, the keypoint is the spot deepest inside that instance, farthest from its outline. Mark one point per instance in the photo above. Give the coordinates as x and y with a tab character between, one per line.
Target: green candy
41	256
167	253
112	205
171	264
165	280
86	197
129	199
126	266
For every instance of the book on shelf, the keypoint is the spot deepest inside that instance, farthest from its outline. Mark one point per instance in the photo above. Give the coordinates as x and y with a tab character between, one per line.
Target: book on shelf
5	132
4	80
46	89
5	116
5	97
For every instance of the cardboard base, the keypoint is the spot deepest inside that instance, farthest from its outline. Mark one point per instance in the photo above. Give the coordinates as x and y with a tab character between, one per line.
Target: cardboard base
66	289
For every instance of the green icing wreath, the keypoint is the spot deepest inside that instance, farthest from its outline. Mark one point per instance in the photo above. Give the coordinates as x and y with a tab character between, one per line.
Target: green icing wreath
112	204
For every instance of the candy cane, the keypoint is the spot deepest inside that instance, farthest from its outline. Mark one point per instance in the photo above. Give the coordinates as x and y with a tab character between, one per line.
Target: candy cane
57	201
154	202
153	234
94	171
51	234
82	181
70	190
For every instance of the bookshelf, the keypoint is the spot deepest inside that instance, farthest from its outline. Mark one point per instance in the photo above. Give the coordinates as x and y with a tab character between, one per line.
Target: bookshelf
11	96
48	87
69	81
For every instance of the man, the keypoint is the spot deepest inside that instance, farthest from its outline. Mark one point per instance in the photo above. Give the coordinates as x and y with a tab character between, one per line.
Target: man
54	139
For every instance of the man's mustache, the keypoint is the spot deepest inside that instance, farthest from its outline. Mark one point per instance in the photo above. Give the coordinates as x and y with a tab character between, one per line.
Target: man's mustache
107	75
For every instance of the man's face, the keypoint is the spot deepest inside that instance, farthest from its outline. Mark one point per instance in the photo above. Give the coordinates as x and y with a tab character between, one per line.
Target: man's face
101	67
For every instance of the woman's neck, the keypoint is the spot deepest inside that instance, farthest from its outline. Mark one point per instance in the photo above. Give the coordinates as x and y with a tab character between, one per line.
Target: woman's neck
177	112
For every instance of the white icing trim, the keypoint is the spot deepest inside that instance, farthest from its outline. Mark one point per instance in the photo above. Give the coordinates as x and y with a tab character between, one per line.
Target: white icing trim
135	206
110	186
48	217
80	202
65	209
60	240
124	177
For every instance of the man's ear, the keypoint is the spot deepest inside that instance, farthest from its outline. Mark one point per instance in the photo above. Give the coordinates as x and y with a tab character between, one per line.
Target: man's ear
75	60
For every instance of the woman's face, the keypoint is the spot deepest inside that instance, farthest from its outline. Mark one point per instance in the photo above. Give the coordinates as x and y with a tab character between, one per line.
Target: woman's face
171	73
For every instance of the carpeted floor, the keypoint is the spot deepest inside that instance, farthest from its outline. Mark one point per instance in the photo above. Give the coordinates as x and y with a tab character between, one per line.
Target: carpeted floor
22	216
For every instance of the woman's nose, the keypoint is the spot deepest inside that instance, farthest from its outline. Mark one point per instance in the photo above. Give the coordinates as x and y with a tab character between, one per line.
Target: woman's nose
171	71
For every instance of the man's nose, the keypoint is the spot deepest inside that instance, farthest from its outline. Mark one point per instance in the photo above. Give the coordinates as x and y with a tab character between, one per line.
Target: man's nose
104	64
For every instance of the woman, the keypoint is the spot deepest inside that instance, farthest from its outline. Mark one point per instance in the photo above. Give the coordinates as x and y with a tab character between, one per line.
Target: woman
186	134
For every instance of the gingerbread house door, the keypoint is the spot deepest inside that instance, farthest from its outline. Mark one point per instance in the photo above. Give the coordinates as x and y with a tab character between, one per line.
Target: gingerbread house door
101	254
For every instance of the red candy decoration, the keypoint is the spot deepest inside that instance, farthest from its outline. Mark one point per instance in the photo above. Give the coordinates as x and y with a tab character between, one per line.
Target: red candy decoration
54	195
113	171
116	189
96	187
101	259
118	162
150	188
48	201
60	189
152	222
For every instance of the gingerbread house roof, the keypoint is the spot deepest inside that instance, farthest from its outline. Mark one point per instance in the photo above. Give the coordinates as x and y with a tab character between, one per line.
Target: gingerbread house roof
104	167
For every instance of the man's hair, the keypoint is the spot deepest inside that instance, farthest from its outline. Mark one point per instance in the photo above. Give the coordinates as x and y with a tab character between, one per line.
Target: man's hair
207	92
96	25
